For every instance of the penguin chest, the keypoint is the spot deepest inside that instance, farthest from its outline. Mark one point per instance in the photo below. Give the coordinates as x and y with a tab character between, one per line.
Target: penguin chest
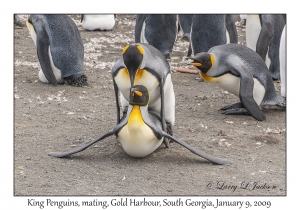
253	28
231	84
142	77
137	138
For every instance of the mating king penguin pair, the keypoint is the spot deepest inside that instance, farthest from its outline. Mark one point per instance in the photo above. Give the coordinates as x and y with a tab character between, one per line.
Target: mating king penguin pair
242	72
210	30
159	31
140	132
263	34
143	64
98	22
59	48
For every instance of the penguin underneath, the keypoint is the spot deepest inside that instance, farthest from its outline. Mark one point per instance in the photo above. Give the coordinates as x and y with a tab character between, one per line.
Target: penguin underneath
142	64
160	31
59	48
263	34
185	21
140	132
282	58
210	30
98	22
242	72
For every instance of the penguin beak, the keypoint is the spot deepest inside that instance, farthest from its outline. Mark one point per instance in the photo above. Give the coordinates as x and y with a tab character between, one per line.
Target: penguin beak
196	64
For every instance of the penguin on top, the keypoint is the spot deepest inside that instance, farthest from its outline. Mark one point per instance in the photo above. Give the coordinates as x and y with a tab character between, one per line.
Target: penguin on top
263	32
143	64
158	30
242	72
209	30
59	48
92	22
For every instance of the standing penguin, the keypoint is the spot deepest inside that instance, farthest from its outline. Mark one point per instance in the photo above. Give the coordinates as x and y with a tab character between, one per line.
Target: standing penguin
210	30
242	72
263	34
160	31
59	48
98	22
282	59
142	64
140	132
185	21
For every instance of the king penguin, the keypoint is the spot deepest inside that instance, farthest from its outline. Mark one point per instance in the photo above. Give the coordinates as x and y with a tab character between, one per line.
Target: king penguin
59	48
282	59
185	21
98	22
142	64
263	34
209	30
242	72
160	31
140	132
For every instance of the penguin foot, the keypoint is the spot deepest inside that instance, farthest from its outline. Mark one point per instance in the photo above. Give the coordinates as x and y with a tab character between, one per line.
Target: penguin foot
185	38
233	106
235	111
78	81
167	55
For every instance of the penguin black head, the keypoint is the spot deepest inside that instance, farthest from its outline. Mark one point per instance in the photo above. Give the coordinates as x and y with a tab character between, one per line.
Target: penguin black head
133	57
139	95
203	61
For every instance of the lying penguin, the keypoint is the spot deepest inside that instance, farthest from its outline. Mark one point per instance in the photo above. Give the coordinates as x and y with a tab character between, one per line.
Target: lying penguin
242	72
59	48
140	132
142	64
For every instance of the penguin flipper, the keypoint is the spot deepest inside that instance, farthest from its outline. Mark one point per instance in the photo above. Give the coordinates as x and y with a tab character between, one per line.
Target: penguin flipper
231	106
42	45
162	110
246	94
81	18
197	152
64	154
116	89
231	28
264	39
237	111
138	27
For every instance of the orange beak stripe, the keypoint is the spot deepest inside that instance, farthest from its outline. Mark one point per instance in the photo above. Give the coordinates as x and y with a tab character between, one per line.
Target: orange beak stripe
196	64
138	93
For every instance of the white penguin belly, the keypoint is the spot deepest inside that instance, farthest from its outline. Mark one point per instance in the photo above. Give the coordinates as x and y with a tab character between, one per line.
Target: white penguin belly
282	59
102	22
231	83
253	28
136	138
56	71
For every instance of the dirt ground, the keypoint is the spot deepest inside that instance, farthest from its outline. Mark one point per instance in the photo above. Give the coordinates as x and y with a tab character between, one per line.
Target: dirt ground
58	118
